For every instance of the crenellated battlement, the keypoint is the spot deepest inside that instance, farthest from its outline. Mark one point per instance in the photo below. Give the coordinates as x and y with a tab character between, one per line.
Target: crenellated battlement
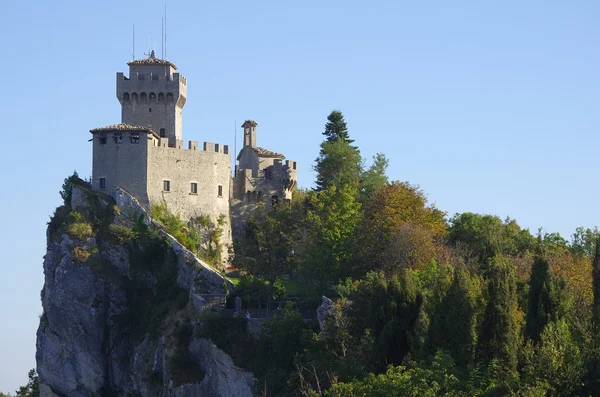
147	77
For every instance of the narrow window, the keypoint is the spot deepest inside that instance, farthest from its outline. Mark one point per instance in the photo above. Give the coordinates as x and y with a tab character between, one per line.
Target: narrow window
102	140
166	186
194	188
220	191
150	110
135	139
102	183
163	133
118	138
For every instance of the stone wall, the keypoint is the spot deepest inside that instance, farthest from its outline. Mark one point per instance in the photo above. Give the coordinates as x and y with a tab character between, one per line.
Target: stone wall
122	164
181	167
153	99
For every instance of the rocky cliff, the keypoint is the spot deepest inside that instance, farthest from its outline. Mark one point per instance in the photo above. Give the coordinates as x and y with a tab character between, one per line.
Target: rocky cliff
122	304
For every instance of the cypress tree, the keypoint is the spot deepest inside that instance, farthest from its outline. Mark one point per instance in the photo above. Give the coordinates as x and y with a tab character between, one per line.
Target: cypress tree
498	339
541	308
593	354
596	286
453	323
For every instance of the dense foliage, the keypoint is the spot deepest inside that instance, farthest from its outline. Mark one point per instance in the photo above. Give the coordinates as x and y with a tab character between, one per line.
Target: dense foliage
423	304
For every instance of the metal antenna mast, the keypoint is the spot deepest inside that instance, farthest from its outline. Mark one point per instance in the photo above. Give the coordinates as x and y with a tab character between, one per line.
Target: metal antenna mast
162	38
133	44
234	141
165	30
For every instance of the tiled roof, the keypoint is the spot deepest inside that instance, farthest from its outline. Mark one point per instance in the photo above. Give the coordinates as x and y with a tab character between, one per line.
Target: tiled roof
121	127
262	152
152	60
251	122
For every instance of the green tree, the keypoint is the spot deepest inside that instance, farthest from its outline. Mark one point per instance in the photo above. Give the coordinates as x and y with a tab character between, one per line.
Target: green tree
389	310
541	308
331	221
499	335
336	128
375	177
488	235
558	361
583	241
267	249
280	341
596	288
32	388
454	323
338	164
67	188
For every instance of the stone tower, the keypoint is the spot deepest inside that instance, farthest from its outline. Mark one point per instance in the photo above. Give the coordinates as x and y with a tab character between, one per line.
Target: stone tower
153	96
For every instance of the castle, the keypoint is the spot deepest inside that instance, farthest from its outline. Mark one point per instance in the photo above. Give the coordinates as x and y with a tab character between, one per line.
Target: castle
145	154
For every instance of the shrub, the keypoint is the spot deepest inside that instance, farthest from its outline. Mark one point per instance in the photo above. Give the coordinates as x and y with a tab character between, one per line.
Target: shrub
121	234
80	230
81	254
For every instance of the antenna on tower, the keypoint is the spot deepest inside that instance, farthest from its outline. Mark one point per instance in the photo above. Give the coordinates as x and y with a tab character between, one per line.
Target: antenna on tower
133	44
234	140
165	30
162	38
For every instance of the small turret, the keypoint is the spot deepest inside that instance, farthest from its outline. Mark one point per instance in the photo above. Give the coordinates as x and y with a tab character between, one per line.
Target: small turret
249	127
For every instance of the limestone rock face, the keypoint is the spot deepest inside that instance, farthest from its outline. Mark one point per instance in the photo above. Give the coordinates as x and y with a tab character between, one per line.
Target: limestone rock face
85	343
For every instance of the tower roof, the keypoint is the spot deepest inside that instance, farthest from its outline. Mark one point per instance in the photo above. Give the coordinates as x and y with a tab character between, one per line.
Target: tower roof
124	127
252	123
152	60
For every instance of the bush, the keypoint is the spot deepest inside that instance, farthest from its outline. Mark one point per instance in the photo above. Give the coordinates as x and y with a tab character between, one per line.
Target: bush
120	234
80	230
81	254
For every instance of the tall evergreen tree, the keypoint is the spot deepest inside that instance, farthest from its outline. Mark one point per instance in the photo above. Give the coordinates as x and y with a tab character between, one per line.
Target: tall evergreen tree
453	325
498	339
596	286
541	308
335	128
339	163
593	353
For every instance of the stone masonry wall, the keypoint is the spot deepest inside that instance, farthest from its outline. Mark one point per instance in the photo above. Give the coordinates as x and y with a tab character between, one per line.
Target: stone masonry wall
122	164
182	167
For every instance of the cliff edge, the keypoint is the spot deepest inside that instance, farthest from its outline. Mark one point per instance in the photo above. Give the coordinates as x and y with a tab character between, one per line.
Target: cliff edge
123	301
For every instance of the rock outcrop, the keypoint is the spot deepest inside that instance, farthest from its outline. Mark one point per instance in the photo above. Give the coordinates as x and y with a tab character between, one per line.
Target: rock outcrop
115	303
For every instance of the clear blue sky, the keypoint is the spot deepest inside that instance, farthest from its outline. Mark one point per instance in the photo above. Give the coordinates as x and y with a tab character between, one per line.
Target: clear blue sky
490	107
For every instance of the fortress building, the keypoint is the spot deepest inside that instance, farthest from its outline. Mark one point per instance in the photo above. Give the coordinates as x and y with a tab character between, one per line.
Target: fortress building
146	156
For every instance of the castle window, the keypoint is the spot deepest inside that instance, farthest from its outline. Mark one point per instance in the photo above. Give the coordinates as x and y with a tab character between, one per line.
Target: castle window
135	139
102	140
220	191
118	138
166	186
150	110
163	133
102	183
194	188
